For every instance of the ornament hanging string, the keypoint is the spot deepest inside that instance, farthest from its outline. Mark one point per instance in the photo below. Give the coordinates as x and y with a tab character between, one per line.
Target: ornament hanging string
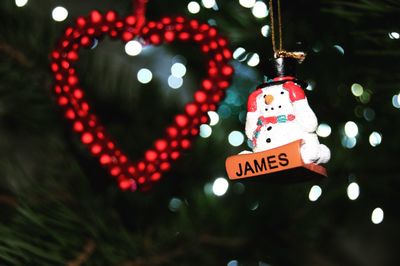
139	11
280	52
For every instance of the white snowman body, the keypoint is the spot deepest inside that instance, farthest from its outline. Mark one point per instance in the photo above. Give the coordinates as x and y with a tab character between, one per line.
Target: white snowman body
275	117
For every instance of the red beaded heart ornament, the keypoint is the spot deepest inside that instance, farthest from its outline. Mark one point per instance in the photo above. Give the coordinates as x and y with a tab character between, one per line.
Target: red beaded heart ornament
185	126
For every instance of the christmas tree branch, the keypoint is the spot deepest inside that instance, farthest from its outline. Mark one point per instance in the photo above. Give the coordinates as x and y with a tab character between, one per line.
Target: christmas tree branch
15	54
87	251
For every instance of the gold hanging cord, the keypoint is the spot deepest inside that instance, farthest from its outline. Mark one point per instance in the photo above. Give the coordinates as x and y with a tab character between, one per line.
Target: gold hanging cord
280	52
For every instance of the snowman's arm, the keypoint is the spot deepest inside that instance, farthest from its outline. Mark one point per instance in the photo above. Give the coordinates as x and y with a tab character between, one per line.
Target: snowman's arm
252	113
251	123
302	110
305	115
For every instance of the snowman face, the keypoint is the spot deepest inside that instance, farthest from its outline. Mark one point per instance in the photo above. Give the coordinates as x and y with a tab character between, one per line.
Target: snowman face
274	101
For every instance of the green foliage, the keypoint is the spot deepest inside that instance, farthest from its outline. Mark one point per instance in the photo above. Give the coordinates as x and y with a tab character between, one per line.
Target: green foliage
58	207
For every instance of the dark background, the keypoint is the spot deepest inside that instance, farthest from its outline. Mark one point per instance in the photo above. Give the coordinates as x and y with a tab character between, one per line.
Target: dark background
59	207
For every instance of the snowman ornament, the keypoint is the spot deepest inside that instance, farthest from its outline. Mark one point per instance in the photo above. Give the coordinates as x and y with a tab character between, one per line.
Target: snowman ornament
278	113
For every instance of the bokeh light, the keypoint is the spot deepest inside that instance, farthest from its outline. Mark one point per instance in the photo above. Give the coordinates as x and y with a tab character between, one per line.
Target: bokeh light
315	193
193	7
144	75
174	82
394	35
260	10
220	186
324	130
369	114
59	13
21	3
205	131
178	70
339	49
375	138
214	118
236	138
377	216
351	129
239	53
265	30
353	191
208	3
357	89
349	143
174	204
247	3
396	101
133	48
254	60
233	263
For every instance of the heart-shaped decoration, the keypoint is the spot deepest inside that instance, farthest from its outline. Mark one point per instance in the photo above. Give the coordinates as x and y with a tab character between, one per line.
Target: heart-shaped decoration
185	126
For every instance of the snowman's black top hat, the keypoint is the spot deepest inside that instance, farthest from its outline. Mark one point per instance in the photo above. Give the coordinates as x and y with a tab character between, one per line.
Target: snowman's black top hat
282	67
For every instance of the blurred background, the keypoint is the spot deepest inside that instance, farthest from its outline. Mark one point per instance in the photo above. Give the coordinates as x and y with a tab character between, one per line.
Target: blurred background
59	207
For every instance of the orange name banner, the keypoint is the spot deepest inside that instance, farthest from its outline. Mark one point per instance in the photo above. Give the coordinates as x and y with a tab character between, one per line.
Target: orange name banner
267	162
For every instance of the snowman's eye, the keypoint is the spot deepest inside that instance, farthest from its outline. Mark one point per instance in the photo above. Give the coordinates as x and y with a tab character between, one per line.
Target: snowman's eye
266	109
281	93
280	106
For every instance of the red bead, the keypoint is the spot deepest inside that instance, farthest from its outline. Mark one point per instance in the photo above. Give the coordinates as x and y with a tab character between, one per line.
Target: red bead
127	36
156	176
213	45
166	20
218	57
87	138
62	100
194	24
141	166
111	16
78	126
81	22
72	80
184	36
191	109
123	159
70	114
57	89
180	19
181	120
141	180
95	16
127	184
115	171
131	170
169	36
198	37
130	20
151	24
212	32
151	155
85	41
172	132
96	149
155	39
65	64
72	55
110	145
78	94
227	70
227	53
165	166
207	84
204	27
161	145
175	155
200	96
185	144
105	159
174	144
55	55
222	42
54	67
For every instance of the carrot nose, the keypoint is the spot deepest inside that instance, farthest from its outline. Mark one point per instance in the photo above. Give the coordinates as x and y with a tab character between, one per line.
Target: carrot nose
268	99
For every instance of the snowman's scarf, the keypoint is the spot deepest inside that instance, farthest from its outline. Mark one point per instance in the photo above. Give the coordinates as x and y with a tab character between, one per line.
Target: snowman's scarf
263	121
